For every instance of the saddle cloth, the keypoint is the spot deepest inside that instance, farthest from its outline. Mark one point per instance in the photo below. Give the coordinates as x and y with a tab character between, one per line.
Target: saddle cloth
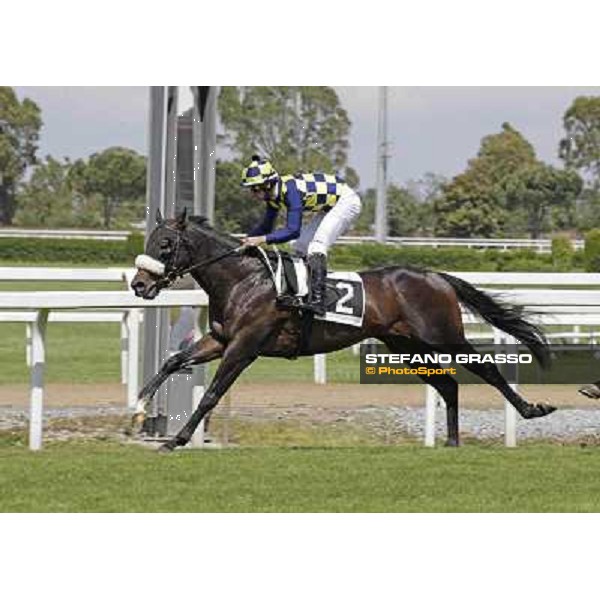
344	296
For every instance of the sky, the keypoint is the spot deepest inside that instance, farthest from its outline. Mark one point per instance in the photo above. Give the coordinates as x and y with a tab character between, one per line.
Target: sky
430	129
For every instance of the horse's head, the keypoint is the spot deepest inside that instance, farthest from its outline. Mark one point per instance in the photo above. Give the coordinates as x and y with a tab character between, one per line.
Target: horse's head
167	256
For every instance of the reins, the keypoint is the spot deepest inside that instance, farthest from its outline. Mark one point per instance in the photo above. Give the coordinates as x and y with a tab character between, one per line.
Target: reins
170	275
177	273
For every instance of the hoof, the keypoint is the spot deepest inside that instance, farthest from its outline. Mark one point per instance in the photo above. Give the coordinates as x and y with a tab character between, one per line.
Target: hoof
590	391
534	411
137	422
452	444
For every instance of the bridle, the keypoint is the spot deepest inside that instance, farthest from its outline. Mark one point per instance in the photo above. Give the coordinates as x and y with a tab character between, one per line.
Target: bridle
171	273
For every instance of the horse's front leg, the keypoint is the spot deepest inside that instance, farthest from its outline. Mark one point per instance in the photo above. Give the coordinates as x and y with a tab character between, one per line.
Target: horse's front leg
204	350
235	359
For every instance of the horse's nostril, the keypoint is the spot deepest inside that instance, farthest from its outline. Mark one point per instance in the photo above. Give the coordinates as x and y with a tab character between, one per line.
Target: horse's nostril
138	286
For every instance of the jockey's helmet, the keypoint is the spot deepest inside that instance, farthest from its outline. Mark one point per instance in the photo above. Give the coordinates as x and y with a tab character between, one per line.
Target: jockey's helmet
258	172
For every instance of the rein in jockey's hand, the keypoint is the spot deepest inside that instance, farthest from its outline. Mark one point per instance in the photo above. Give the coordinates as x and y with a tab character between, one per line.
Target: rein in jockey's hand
254	241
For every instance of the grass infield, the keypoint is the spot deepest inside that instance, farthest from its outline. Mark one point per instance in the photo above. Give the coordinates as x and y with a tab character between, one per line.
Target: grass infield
107	476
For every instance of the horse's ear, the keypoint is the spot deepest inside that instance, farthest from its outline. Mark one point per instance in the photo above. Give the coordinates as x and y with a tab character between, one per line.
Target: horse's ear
159	218
181	218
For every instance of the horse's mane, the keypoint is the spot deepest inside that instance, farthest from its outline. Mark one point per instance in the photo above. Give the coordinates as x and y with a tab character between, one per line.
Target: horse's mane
203	223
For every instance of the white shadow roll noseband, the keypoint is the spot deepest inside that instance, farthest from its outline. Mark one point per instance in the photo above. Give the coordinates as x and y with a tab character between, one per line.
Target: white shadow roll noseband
147	263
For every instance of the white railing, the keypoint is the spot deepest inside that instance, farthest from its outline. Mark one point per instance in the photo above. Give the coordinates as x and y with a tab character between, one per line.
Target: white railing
40	305
68	234
111	275
539	245
558	306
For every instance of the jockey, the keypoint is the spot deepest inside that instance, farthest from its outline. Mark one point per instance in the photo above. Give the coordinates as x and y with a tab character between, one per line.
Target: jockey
335	204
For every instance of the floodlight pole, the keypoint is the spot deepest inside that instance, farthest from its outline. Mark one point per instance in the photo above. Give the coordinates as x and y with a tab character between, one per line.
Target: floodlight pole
381	224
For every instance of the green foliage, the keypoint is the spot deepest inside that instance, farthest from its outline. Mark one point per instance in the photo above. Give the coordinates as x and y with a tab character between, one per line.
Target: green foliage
507	191
580	148
536	188
469	207
116	177
406	215
502	153
342	257
20	124
562	253
472	204
35	250
134	244
48	200
45	200
592	251
299	128
236	211
365	256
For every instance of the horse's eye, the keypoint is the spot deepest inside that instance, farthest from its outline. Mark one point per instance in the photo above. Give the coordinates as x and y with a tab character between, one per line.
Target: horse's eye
165	244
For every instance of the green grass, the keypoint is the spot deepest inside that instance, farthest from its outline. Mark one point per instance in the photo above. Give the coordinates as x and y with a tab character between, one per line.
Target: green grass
90	353
107	477
75	353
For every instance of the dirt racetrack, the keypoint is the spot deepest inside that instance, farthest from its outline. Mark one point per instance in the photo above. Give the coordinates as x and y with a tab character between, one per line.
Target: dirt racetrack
335	395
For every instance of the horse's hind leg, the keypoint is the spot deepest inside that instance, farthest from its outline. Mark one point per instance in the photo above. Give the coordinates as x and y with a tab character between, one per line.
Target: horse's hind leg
445	385
591	390
490	374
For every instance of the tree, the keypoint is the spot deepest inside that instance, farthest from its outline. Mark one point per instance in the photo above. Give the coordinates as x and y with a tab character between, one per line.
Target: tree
118	177
20	123
299	128
536	188
473	203
405	212
410	209
51	198
46	199
501	154
469	207
580	148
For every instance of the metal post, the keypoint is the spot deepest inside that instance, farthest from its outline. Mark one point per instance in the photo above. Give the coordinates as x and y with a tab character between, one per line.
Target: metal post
204	133
381	224
205	149
162	157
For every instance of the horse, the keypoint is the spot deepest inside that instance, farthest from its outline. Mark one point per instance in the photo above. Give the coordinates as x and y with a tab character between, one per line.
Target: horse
408	309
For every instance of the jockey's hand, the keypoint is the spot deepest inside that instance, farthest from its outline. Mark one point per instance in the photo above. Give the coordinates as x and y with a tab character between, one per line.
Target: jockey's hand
254	241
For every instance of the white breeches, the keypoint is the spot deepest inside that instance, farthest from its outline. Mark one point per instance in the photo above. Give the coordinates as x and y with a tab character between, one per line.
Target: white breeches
320	233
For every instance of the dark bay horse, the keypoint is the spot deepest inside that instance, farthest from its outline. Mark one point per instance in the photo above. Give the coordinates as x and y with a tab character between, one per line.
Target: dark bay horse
409	310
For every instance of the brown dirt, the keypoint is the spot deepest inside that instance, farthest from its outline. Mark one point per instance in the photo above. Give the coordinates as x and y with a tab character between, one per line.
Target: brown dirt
334	396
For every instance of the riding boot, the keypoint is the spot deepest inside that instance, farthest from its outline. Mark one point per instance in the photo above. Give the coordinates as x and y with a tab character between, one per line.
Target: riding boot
317	267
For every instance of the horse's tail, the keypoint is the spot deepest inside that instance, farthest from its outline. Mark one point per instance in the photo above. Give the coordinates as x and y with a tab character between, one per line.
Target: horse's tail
504	316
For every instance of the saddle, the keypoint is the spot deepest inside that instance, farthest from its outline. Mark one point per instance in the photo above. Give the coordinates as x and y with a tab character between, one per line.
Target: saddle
344	291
